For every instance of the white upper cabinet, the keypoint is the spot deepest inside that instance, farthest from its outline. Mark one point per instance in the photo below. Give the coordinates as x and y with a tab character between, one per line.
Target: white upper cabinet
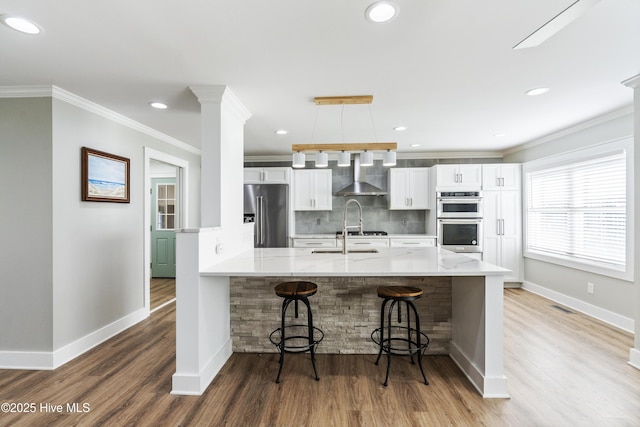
408	188
275	175
501	176
458	176
312	190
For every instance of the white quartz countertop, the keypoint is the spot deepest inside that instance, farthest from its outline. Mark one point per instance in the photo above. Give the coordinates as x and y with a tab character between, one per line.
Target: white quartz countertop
388	236
431	261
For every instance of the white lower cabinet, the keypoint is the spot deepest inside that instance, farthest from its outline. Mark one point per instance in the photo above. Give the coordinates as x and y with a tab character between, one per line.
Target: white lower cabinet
412	243
364	242
315	243
503	231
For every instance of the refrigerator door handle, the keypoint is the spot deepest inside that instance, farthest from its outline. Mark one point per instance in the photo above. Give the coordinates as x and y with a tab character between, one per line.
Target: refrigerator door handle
261	207
256	237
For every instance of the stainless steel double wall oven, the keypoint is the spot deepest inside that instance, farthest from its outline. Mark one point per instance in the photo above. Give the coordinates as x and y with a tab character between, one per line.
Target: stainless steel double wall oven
459	216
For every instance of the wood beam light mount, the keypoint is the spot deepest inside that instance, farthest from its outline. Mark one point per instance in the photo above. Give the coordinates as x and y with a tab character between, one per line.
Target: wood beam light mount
341	100
354	146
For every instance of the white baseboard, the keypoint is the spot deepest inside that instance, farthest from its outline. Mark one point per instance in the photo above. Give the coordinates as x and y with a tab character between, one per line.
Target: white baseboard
489	388
634	358
625	323
196	384
38	360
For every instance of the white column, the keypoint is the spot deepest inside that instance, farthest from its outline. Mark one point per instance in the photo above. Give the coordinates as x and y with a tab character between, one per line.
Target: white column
222	145
634	83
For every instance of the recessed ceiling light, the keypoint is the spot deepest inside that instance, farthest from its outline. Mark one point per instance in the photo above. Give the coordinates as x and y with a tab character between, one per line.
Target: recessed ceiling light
400	128
21	24
537	91
382	11
282	131
158	105
499	135
414	145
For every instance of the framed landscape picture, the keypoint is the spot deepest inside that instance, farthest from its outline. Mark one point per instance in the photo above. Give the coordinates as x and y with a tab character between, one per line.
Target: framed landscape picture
105	177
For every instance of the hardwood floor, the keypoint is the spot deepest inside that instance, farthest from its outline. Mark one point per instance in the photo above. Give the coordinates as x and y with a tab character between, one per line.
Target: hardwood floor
564	369
162	291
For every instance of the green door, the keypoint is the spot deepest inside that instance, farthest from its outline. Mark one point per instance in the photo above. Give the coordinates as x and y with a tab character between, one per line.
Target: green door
163	223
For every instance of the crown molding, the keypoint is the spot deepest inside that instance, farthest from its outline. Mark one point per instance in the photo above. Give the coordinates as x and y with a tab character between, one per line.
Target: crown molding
632	82
70	98
571	130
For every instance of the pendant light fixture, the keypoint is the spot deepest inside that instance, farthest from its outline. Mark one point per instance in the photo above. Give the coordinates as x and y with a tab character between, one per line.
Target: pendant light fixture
344	159
322	160
366	158
389	158
298	160
364	150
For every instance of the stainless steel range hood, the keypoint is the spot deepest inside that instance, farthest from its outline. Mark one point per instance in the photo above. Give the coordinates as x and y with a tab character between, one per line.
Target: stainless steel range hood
359	186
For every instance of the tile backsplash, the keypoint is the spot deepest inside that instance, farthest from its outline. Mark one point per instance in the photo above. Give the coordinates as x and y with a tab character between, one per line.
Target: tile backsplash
376	216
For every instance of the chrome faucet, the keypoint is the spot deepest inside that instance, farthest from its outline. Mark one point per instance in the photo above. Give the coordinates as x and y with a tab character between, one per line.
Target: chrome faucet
346	227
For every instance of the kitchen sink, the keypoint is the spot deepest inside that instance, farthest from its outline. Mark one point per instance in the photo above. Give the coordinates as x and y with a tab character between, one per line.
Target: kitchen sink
349	251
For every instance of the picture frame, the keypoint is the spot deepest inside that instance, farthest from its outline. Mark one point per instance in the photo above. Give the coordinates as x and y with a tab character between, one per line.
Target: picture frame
105	177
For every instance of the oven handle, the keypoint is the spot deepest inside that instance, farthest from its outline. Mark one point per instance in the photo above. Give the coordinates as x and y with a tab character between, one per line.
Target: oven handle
460	200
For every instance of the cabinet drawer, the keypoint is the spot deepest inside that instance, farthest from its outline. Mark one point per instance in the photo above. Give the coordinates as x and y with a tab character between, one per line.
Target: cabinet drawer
314	243
356	242
416	243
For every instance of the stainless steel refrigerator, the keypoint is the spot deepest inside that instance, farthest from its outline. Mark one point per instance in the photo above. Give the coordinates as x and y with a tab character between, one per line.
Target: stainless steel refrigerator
268	205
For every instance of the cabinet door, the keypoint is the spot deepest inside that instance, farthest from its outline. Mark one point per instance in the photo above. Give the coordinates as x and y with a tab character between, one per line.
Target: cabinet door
491	177
322	190
470	175
276	175
511	249
302	190
312	190
398	182
252	175
419	188
501	176
511	175
491	227
447	176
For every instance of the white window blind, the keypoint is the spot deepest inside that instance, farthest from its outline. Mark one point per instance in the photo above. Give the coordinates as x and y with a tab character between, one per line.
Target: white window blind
577	211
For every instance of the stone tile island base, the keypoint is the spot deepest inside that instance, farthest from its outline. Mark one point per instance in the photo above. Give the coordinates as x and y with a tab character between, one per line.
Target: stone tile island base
347	309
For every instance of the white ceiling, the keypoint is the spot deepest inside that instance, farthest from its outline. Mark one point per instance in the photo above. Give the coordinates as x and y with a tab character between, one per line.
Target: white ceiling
443	68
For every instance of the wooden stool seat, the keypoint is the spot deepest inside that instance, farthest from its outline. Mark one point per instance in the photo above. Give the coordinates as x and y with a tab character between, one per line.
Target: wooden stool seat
399	292
296	289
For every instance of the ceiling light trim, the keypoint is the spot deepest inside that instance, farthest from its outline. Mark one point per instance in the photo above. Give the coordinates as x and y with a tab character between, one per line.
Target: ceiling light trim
382	11
21	25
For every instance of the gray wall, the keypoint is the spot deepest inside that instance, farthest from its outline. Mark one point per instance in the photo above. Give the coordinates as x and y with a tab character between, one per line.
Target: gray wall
26	247
73	267
611	294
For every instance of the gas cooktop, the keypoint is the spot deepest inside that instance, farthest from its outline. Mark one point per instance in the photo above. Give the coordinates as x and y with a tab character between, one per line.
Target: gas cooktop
364	233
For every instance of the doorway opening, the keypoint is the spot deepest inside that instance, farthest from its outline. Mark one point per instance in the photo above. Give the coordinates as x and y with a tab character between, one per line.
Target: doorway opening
165	211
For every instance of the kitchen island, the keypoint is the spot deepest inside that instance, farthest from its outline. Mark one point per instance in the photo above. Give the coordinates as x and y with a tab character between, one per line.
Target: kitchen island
203	319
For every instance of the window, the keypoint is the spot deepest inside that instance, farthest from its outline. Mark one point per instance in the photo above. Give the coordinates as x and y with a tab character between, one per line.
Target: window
166	214
576	211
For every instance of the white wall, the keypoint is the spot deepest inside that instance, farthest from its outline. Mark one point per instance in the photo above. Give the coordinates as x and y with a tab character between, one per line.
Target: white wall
77	268
611	295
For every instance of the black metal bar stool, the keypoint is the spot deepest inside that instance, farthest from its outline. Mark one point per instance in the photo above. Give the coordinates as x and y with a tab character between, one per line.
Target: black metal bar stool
304	337
391	338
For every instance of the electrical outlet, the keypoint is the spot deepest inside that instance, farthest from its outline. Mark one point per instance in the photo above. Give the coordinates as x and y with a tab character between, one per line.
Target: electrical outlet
590	288
404	221
317	221
219	248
